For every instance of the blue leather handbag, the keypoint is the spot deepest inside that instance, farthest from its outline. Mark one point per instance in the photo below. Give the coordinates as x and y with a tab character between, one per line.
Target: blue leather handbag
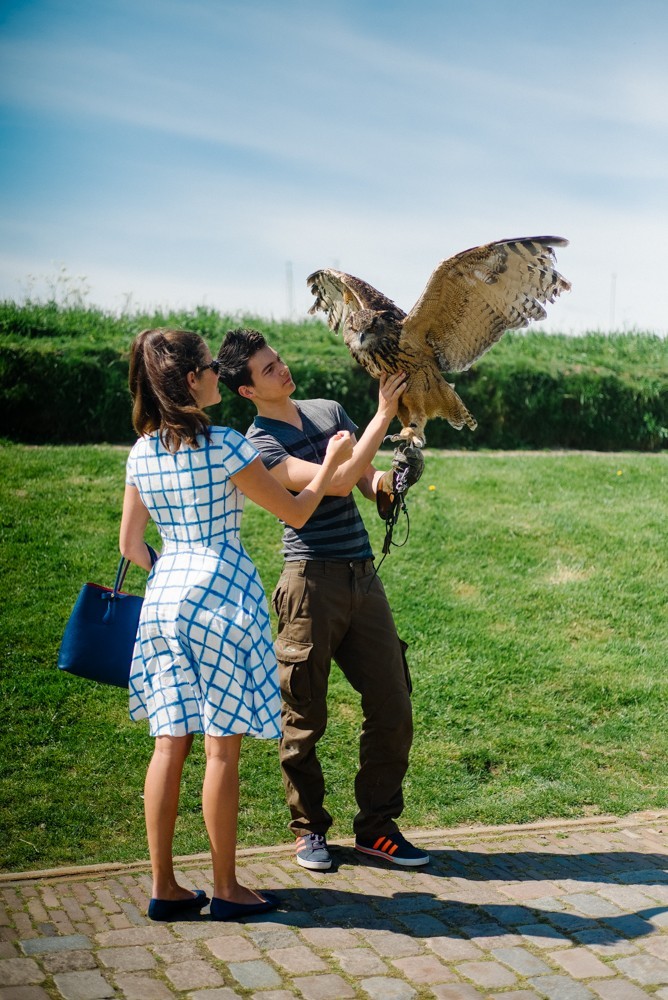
99	637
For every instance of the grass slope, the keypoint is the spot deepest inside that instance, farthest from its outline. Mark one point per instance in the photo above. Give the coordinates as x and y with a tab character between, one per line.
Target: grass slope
531	592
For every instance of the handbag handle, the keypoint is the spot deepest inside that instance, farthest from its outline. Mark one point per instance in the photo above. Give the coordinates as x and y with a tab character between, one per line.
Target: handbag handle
123	567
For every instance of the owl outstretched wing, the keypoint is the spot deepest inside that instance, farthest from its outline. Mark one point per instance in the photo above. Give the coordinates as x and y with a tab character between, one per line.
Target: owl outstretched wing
339	295
471	299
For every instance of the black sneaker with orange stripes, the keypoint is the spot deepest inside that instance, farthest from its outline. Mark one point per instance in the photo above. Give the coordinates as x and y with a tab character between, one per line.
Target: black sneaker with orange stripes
395	848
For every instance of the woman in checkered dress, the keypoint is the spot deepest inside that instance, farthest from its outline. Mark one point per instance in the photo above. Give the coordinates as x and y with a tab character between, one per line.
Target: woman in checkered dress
203	659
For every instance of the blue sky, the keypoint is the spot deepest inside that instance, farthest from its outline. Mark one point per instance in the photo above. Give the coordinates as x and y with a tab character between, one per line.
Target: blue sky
206	152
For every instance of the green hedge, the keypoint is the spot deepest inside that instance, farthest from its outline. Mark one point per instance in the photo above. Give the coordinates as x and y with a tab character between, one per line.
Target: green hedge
63	378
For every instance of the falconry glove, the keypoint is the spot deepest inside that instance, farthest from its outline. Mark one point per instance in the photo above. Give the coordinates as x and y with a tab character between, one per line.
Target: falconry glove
407	467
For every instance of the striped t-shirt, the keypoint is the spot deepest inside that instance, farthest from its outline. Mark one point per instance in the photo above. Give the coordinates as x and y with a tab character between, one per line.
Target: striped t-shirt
335	530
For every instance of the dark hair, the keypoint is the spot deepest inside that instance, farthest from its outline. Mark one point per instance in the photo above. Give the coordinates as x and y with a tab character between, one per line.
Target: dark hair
160	360
235	352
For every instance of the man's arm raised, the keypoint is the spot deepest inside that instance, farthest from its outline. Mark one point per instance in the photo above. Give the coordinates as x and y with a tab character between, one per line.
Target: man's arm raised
295	473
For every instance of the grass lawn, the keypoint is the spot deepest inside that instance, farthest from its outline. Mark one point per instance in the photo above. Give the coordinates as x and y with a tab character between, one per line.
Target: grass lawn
532	593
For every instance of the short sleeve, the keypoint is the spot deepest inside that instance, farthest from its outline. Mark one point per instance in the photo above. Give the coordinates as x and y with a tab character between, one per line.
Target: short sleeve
344	420
271	450
236	451
131	469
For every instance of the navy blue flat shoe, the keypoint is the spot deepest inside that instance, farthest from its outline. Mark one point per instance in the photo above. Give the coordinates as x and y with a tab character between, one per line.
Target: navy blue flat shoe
221	909
172	909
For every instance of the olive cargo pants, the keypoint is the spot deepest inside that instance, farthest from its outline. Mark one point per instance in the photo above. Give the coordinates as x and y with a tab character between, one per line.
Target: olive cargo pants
338	610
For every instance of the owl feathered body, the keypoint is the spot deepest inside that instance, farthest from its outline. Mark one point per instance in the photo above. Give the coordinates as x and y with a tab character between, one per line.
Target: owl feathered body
469	302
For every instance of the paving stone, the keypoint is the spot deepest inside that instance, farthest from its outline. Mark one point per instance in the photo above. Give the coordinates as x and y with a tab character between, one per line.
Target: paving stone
8	950
39	946
37	911
521	961
19	972
529	890
272	995
629	926
547	904
201	930
134	916
618	989
254	974
657	892
89	985
346	916
456	991
382	988
391	945
329	938
137	987
409	903
581	964
657	946
126	959
298	959
359	962
223	993
515	995
604	941
156	934
543	935
452	949
569	922
490	939
626	896
591	905
506	915
560	988
72	908
68	961
232	949
645	876
486	973
646	969
176	951
193	975
422	925
423	969
275	937
328	987
23	993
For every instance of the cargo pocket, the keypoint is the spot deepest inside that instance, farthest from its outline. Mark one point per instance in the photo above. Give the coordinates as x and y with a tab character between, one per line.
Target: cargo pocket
409	682
293	670
289	598
276	599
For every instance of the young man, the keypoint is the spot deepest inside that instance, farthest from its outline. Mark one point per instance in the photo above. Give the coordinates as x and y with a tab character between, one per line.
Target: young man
330	606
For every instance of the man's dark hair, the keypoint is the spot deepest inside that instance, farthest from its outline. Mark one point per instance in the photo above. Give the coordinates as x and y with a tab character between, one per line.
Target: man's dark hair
235	352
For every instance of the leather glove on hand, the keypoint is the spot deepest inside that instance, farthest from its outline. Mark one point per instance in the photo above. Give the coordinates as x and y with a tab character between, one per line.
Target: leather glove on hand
407	467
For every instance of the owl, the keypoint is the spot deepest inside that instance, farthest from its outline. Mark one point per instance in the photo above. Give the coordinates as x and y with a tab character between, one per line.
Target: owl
469	302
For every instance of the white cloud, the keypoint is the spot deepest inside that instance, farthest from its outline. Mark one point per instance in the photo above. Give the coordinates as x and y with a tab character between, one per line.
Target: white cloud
193	149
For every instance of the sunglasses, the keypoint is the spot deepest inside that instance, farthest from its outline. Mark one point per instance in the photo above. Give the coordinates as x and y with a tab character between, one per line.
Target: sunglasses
214	365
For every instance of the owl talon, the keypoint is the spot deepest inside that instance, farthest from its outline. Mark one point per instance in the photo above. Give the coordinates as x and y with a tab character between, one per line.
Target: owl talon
410	440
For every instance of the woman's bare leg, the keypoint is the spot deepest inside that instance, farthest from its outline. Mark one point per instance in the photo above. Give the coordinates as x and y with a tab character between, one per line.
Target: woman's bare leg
220	805
161	802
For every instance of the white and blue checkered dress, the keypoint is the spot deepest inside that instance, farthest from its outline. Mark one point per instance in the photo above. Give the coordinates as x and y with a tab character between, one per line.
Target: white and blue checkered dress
203	659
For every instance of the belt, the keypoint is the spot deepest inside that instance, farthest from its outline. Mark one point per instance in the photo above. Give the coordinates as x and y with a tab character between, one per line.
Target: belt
331	567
